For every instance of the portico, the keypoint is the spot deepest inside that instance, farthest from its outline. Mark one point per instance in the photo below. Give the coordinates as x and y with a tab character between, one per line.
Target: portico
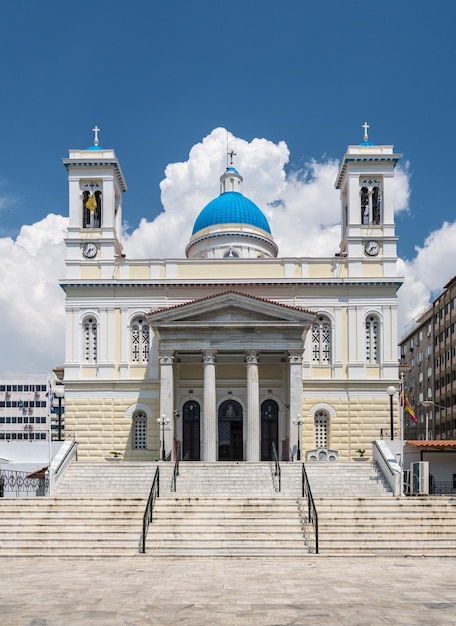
230	375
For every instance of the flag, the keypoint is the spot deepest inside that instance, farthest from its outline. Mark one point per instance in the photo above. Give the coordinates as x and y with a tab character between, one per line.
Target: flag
405	404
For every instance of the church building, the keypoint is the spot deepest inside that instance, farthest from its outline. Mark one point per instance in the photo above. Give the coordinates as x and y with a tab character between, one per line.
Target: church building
230	350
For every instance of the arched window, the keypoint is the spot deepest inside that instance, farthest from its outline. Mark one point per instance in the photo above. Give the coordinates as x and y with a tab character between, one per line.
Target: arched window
140	341
376	205
91	206
321	429
372	340
139	431
90	328
321	341
371	201
364	205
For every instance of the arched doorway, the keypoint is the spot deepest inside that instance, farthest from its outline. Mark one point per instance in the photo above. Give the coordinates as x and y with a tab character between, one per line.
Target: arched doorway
191	431
230	431
269	429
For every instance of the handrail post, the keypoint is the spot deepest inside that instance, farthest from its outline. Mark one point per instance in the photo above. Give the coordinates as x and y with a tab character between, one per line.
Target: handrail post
312	515
176	467
277	471
148	513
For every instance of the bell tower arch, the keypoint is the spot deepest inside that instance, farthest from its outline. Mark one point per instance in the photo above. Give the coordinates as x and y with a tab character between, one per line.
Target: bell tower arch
366	184
96	184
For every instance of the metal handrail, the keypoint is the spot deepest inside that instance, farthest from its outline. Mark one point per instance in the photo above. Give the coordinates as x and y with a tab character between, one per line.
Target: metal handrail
176	467
277	470
312	515
148	513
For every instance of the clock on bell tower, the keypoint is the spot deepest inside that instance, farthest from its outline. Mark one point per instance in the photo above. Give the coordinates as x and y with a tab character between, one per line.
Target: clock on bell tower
96	184
366	184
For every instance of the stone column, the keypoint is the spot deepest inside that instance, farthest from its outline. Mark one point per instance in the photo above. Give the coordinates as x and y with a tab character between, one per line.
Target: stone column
295	365
209	407
167	399
253	407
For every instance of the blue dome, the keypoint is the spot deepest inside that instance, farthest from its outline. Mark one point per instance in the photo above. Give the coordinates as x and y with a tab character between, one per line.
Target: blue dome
231	207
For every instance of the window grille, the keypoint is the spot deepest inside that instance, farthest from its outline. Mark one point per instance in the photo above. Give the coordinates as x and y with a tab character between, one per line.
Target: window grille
140	431
90	340
140	341
372	340
321	430
321	341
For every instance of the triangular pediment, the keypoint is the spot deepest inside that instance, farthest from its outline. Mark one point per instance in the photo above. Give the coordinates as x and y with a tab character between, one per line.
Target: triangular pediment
233	309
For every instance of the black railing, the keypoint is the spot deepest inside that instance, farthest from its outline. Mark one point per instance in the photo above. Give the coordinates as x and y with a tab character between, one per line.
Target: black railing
277	470
312	515
21	484
442	488
176	467
385	433
149	512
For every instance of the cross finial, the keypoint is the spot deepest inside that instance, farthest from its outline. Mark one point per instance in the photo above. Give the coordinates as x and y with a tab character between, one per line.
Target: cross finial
231	155
365	126
96	130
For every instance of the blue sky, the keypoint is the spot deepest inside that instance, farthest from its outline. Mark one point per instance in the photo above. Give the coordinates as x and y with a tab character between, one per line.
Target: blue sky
159	77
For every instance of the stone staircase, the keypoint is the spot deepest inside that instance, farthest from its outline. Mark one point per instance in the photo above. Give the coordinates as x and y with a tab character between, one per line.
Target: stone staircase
110	479
225	510
226	526
97	511
70	527
334	479
228	510
404	526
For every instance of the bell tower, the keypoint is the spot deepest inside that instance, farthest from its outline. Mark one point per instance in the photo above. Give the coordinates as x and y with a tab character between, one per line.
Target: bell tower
96	184
366	184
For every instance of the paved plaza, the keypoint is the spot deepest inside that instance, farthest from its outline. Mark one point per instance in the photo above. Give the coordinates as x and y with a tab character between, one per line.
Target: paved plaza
207	592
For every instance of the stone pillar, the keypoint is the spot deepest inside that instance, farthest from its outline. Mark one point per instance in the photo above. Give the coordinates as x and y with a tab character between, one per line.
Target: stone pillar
253	407
167	399
209	407
295	365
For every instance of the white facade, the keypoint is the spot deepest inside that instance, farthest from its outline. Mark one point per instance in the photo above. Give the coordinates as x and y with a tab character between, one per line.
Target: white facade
233	344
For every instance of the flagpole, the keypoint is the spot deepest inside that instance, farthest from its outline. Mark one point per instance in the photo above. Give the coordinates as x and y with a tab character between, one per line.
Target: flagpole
50	402
401	421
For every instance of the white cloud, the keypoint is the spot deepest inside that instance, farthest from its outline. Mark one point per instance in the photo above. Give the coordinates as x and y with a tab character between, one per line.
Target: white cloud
31	301
302	207
427	274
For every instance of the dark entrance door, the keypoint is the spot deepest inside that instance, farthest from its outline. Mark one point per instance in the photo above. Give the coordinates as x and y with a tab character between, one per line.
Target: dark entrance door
230	431
269	429
191	431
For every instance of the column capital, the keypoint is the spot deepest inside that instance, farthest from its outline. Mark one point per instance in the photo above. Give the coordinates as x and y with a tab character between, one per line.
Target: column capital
209	357
166	358
252	357
295	356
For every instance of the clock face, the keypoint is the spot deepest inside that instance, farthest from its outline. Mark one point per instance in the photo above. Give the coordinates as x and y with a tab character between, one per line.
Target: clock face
372	248
89	250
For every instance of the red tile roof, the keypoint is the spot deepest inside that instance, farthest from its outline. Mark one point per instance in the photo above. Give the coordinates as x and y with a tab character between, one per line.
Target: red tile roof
435	444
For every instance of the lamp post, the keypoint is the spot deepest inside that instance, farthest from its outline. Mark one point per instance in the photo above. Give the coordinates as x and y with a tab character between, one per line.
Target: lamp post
428	404
163	421
298	422
59	393
391	390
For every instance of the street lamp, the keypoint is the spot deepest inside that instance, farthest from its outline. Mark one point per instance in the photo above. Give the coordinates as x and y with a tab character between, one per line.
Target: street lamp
427	405
59	393
391	390
298	422
163	421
